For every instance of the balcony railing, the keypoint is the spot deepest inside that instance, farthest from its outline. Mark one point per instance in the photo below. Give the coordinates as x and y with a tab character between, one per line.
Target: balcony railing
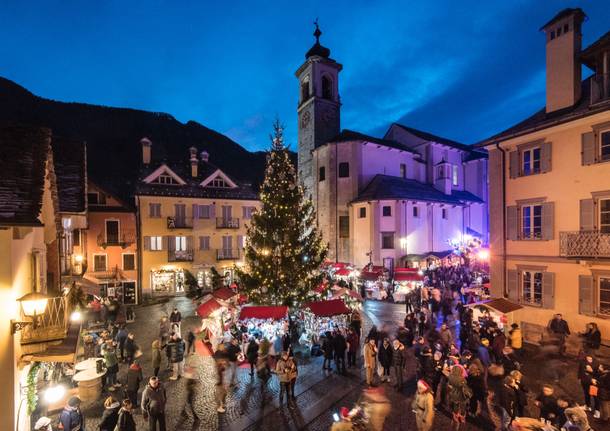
600	88
50	326
179	223
227	254
227	223
180	255
124	239
584	244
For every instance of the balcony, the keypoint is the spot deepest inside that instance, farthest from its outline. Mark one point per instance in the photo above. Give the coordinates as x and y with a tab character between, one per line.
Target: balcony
50	326
123	240
587	244
227	223
600	88
180	255
179	223
227	254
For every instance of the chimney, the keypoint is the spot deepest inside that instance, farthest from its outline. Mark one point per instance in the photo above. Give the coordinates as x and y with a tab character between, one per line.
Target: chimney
194	162
146	150
205	156
563	43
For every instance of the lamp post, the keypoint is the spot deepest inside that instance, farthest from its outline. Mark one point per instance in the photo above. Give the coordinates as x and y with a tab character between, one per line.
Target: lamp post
33	305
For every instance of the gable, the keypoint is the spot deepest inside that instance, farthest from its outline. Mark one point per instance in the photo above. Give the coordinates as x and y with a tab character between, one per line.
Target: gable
218	180
165	176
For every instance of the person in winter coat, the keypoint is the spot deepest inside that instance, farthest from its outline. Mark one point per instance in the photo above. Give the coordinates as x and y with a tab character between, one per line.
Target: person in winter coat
130	348
190	342
445	336
399	361
547	402
560	329
520	392
233	351
505	400
293	373
483	353
112	368
156	357
370	360
339	348
327	349
578	416
252	354
459	396
153	404
176	346
164	330
71	417
125	418
588	372
423	406
283	370
604	395
120	338
498	345
353	342
134	378
476	382
385	359
110	416
593	338
516	339
427	366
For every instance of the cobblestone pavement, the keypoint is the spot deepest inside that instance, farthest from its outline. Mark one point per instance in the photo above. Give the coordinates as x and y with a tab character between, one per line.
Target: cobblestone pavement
254	406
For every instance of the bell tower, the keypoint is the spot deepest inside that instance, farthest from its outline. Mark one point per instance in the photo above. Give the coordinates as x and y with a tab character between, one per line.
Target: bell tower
318	108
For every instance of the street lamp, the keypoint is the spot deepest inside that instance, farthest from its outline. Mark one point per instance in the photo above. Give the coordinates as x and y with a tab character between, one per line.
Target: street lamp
33	304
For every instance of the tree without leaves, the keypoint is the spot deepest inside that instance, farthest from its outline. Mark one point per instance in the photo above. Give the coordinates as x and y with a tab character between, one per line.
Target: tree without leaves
284	249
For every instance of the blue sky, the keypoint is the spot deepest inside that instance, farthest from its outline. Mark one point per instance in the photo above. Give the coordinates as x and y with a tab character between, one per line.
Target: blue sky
460	69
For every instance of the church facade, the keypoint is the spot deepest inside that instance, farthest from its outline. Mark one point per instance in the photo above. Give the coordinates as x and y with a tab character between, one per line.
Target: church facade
385	200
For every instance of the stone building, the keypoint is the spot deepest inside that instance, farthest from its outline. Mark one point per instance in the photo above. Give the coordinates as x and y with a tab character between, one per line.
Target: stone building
549	190
390	199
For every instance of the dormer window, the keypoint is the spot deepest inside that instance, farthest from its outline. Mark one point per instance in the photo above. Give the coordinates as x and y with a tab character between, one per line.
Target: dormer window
165	179
219	183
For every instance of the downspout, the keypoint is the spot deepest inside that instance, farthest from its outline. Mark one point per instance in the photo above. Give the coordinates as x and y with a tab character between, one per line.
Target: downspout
140	249
504	230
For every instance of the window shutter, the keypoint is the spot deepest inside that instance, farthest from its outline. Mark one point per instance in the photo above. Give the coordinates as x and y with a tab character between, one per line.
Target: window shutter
512	284
195	211
146	243
546	157
585	295
169	243
514	164
213	211
244	212
512	223
240	241
587	214
548	290
548	220
587	141
189	243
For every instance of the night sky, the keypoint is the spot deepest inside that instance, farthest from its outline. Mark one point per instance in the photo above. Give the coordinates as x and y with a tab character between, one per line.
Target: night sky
460	69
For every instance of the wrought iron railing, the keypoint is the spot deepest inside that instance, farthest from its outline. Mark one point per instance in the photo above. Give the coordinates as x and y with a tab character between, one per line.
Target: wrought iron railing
179	223
180	255
227	253
50	326
227	223
584	243
126	238
600	87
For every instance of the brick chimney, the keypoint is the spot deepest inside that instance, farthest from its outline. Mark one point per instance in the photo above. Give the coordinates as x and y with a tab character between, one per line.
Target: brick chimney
146	150
205	156
194	162
563	43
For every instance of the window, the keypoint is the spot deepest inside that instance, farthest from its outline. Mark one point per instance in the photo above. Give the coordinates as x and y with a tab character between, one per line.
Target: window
415	211
180	243
604	215
154	210
305	89
156	243
566	27
203	211
247	212
604	296
321	173
112	231
604	145
99	262
93	198
403	170
454	175
532	287
218	182
362	212
530	161
444	213
343	170
387	240
165	179
327	88
558	31
129	261
531	222
387	211
204	243
76	237
552	35
343	226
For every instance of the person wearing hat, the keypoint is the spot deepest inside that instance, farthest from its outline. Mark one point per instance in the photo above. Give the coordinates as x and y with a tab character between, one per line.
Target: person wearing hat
43	424
71	418
423	406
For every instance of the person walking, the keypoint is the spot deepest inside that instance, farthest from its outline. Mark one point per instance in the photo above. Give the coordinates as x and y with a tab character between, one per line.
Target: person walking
154	399
399	361
252	354
476	382
112	368
125	417
130	348
423	406
282	369
385	359
120	338
506	400
156	357
339	348
353	342
293	373
516	339
134	379
190	342
233	351
520	392
110	416
327	349
446	337
459	396
592	338
560	329
164	330
176	346
71	418
588	371
189	407
221	391
370	360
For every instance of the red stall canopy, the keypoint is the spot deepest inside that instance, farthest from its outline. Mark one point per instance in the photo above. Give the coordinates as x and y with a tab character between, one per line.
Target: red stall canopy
263	312
343	272
347	292
208	307
407	274
329	308
224	293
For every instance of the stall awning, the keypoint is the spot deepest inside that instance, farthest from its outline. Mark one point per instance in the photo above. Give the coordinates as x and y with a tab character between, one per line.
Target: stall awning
224	293
263	312
343	272
90	285
321	288
430	254
501	305
208	307
347	292
333	307
408	276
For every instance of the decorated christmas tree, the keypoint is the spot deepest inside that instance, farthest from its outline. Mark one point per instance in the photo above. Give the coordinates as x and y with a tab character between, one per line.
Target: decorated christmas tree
284	249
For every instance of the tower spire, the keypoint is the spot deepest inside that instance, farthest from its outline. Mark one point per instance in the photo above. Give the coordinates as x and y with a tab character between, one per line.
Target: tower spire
318	32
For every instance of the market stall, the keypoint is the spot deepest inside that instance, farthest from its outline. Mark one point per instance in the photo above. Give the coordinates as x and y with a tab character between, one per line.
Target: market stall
374	282
499	310
212	324
264	320
351	298
322	316
406	282
227	295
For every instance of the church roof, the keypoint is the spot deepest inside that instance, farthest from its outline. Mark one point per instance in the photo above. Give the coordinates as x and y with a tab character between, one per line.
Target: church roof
386	187
350	135
434	138
317	49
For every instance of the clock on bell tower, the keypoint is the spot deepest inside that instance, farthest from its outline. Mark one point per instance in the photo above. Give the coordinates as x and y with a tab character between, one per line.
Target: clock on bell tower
318	108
